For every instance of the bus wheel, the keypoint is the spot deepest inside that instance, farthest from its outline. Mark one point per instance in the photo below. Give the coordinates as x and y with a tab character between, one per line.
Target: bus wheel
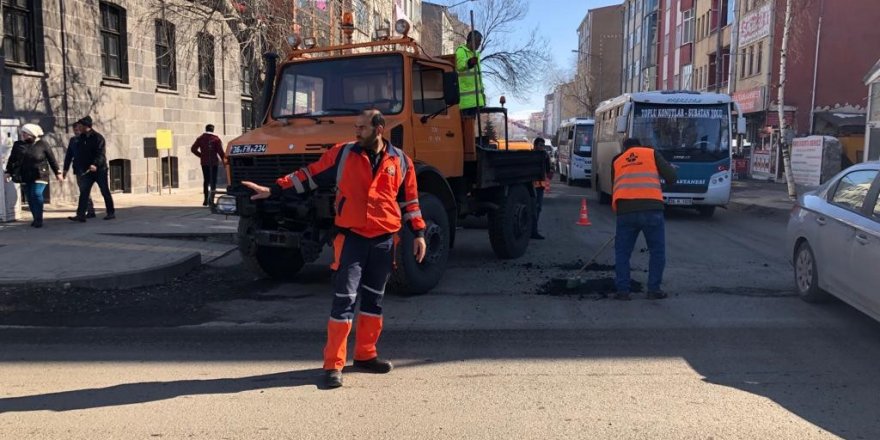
570	180
510	226
706	211
604	198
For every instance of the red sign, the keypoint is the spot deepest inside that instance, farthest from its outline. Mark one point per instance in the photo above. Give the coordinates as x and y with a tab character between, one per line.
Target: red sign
751	100
773	119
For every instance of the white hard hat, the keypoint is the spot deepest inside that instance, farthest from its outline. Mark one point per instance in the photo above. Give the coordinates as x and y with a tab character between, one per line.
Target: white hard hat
33	130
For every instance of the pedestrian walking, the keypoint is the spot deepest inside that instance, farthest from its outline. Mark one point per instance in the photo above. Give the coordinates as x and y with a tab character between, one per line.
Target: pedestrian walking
638	202
209	148
71	157
92	155
32	164
376	193
541	185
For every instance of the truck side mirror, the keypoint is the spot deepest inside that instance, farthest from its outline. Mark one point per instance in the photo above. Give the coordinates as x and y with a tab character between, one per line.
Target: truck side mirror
624	117
450	88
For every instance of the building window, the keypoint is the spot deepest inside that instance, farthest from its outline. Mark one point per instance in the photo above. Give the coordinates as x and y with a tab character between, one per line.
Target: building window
166	57
687	35
247	72
248	122
18	33
759	57
206	63
114	46
751	60
687	77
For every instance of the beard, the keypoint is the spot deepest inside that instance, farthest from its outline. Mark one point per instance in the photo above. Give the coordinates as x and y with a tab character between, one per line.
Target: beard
369	140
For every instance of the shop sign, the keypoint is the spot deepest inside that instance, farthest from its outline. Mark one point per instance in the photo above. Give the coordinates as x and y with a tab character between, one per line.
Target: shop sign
750	101
755	25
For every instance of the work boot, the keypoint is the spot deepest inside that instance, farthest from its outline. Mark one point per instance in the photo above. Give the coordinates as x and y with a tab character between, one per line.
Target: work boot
91	215
537	236
656	294
374	365
37	224
622	296
332	379
110	217
76	218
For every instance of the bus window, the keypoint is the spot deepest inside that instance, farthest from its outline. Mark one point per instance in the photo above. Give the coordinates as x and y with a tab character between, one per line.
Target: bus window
583	140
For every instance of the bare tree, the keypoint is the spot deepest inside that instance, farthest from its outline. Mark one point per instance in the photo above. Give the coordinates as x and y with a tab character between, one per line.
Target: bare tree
787	33
513	64
577	86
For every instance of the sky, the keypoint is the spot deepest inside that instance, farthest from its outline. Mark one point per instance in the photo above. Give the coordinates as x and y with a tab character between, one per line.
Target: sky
557	21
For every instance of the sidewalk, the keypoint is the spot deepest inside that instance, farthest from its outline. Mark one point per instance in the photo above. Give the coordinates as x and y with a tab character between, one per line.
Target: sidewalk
153	239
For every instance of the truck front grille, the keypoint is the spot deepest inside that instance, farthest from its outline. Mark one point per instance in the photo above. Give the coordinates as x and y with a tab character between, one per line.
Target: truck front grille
264	170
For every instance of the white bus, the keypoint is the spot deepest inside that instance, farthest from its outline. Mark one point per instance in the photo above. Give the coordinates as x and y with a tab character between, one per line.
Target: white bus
574	141
692	131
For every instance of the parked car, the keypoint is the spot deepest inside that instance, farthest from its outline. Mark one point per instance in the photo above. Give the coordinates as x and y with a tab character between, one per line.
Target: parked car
834	239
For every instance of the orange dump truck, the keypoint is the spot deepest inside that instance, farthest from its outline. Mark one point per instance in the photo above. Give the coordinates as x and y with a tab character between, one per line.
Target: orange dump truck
316	94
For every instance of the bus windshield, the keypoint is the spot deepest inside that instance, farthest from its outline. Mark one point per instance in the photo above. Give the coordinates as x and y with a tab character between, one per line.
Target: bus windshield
340	87
583	140
684	133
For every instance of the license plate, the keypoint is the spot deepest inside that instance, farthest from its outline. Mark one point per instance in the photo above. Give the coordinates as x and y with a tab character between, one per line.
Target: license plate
679	202
248	149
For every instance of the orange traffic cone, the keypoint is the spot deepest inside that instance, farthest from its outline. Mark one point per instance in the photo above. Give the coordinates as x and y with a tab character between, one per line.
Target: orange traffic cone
584	219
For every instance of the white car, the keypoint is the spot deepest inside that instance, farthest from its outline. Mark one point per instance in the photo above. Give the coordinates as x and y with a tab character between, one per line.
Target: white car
834	239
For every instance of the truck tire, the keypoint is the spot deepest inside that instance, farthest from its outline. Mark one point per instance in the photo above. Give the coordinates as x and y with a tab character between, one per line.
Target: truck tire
268	262
411	277
510	226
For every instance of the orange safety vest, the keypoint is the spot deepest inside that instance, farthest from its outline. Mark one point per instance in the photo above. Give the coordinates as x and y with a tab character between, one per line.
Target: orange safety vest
636	176
368	204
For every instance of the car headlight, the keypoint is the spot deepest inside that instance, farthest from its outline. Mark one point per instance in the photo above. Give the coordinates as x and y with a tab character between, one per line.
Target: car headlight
226	205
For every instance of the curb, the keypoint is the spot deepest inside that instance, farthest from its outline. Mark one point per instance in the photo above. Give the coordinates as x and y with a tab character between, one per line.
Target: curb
760	208
120	280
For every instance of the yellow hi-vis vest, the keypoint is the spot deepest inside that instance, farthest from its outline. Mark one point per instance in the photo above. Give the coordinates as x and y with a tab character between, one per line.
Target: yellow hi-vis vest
636	176
468	80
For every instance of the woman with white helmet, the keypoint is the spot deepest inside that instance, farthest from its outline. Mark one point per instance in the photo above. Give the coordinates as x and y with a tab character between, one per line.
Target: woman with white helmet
33	164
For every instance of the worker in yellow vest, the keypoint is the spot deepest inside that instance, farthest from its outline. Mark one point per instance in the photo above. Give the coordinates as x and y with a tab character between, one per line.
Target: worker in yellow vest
637	200
470	83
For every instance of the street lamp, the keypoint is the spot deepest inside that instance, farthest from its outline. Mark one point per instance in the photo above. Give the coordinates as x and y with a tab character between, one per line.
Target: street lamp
459	3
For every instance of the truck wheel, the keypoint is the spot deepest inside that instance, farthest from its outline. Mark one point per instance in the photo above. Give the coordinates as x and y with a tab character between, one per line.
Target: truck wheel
411	277
510	227
268	262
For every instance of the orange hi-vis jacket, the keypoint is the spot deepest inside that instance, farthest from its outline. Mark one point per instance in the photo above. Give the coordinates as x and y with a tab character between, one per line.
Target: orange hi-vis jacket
367	203
636	176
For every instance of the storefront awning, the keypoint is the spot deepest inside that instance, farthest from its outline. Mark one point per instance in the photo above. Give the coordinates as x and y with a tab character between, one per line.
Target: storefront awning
841	120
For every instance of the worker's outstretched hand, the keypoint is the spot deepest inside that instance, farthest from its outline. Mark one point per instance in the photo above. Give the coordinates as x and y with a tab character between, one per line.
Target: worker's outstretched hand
261	192
472	62
419	248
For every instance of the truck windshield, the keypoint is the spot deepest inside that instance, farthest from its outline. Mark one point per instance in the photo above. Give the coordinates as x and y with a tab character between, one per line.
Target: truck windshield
340	87
583	141
684	132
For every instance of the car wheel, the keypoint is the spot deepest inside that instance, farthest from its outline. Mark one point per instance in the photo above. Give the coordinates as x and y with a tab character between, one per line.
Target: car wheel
806	275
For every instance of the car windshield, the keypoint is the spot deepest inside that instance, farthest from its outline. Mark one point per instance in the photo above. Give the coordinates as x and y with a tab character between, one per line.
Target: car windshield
583	140
340	87
684	133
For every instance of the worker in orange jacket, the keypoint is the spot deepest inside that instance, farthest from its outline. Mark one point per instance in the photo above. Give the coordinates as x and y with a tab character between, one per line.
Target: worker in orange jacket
637	200
376	193
541	185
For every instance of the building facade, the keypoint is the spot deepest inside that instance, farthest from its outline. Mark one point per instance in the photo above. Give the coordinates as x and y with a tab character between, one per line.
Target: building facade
828	55
872	138
600	48
134	70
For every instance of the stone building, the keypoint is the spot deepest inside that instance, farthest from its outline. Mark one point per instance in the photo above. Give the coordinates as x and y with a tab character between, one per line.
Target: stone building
134	70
